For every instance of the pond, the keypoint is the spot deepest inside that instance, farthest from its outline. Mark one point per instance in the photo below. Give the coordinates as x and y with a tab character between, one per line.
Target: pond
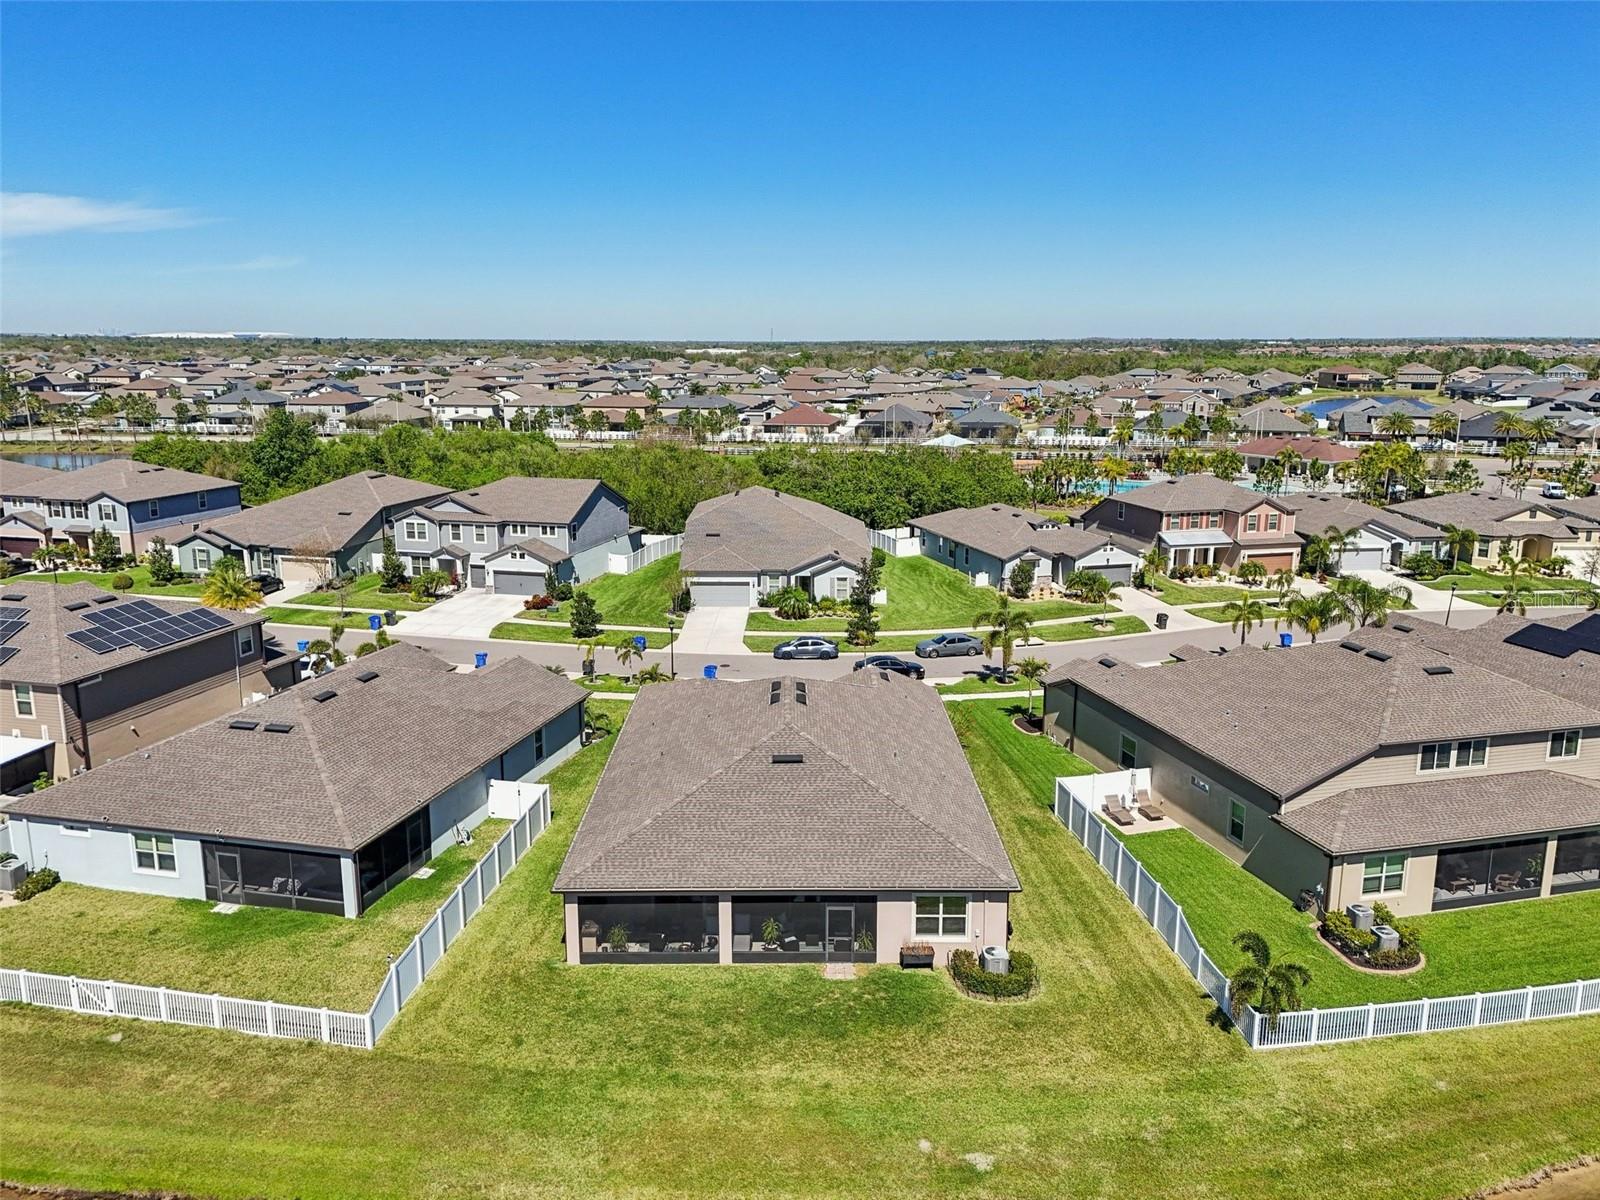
60	460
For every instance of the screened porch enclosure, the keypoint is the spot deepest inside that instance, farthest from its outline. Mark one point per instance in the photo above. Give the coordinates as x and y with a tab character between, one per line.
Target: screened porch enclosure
805	929
392	857
273	877
1468	875
655	929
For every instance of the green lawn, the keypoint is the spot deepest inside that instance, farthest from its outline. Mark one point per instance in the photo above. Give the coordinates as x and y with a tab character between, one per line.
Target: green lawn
978	685
255	953
642	598
140	575
1473	579
1172	592
365	593
511	1075
524	631
1469	950
355	622
1071	632
1219	613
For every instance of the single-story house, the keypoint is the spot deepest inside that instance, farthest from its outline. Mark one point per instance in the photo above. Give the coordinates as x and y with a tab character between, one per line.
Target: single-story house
801	421
768	821
334	790
1312	449
1379	537
986	423
987	542
754	541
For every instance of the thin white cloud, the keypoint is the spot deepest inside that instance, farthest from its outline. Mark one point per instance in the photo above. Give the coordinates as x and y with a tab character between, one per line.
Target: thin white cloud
32	214
262	262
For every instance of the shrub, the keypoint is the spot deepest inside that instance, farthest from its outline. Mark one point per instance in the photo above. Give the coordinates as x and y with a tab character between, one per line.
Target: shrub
561	589
791	604
538	602
969	973
39	881
1352	941
366	648
585	617
1251	571
1423	565
1020	581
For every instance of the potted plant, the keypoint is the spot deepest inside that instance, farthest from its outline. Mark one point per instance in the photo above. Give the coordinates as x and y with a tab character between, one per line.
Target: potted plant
589	936
617	939
771	931
916	954
864	942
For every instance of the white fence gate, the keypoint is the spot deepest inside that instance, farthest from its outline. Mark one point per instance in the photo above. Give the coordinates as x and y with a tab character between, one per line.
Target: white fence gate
1312	1026
268	1018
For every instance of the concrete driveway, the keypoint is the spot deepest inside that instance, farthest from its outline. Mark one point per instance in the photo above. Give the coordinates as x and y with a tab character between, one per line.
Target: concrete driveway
713	630
1424	599
469	614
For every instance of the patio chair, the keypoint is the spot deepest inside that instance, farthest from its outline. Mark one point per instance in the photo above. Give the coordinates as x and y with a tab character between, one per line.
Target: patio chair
1118	812
1150	808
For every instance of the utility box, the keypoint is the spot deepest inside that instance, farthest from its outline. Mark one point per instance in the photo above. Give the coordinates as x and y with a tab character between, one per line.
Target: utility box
12	874
1360	915
1388	937
996	960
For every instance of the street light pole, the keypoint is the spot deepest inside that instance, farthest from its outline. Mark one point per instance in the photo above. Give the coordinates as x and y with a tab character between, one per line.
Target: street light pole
1450	604
672	648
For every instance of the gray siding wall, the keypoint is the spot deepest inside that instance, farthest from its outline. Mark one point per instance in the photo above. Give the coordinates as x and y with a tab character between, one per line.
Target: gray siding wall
971	563
601	520
1135	524
104	858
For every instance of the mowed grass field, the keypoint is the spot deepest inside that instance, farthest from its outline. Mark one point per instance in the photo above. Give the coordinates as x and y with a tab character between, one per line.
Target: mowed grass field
512	1076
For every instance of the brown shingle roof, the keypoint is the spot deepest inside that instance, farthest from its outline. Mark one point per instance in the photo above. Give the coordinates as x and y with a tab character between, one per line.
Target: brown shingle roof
693	799
325	516
759	529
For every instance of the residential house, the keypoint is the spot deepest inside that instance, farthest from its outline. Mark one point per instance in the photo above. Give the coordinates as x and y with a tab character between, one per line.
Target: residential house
310	536
775	821
516	535
1418	377
86	676
1261	450
1200	519
322	797
1268	418
1426	767
986	423
132	500
1504	524
1348	375
748	543
801	422
1566	373
986	544
1379	538
897	420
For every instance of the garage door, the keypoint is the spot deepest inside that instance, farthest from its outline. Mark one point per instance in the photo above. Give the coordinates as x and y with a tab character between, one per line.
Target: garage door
303	570
1367	559
1274	562
721	595
19	545
1121	576
509	583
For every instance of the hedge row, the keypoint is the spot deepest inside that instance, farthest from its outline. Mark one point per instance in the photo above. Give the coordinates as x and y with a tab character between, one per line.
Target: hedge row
969	973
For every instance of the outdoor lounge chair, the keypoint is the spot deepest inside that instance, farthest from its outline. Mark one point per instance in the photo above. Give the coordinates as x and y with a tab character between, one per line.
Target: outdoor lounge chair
1150	808
1118	812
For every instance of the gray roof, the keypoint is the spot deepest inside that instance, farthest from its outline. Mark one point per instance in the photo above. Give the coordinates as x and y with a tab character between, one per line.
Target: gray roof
122	479
985	416
347	770
1485	515
1005	532
24	479
326	517
1318	512
1337	705
692	798
527	499
761	529
46	656
1195	493
1430	812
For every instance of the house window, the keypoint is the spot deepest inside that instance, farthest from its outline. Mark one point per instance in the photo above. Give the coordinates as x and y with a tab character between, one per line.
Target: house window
415	531
108	512
941	916
1483	548
1272	520
1213	520
1122	511
480	534
201	501
455	532
154	852
516	531
155	508
1236	821
55	509
22	697
1128	751
247	643
538	744
1435	756
80	511
1472	754
1564	743
1251	523
75	830
549	531
202	559
1383	874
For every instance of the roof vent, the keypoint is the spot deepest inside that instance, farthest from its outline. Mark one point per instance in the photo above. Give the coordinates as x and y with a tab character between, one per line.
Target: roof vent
277	726
713	534
243	724
367	676
1438	670
788	758
325	696
1380	655
76	606
103	599
1398	628
1356	646
1108	662
775	692
13	596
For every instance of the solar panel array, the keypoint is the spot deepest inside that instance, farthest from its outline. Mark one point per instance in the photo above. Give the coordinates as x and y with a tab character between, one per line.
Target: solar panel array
13	619
140	623
1560	643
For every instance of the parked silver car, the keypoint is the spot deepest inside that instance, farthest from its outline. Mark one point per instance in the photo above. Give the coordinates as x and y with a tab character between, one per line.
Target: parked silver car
945	645
806	647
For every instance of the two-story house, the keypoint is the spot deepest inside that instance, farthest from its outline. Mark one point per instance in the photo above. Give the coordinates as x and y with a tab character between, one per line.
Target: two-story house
516	535
134	501
1199	519
1419	765
86	676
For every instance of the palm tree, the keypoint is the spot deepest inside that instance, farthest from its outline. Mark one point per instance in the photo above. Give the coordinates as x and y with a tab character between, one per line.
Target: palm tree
1367	604
1396	424
1033	670
1316	556
1443	425
1510	426
1541	431
1152	567
625	651
1114	471
651	674
1007	626
228	587
1459	541
1282	582
1271	987
1313	614
1515	598
1288	458
1339	540
1244	615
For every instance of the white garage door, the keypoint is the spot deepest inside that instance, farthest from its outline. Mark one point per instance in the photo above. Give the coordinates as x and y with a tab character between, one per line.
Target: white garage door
303	570
508	583
1364	559
721	595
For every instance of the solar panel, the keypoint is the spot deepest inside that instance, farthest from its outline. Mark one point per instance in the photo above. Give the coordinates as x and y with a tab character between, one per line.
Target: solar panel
6	652
141	623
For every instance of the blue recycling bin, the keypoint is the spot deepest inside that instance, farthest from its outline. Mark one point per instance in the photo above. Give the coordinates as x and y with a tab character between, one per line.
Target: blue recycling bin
639	641
480	660
1286	640
303	645
374	621
710	670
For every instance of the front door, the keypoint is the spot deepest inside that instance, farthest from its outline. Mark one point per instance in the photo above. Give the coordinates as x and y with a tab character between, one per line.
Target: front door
841	933
230	882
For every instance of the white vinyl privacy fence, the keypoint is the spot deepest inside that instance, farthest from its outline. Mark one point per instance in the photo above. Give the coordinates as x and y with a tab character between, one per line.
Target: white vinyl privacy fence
651	551
268	1018
1313	1026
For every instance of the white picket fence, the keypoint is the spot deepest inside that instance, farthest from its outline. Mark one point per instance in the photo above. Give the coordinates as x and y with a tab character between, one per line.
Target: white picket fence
1312	1026
652	551
268	1018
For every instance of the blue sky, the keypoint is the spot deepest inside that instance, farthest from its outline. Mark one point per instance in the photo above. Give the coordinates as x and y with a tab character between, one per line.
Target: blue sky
674	171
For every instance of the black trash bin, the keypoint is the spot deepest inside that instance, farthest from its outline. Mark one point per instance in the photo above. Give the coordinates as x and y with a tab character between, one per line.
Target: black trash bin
388	616
1161	620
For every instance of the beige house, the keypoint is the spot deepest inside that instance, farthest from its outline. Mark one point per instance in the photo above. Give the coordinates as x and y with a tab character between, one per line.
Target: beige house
768	822
1426	767
1506	524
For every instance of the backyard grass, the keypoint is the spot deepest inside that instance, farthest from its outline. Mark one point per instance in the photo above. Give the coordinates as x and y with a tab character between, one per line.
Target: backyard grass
1070	632
642	598
1472	579
978	685
526	631
355	622
365	593
1484	949
514	1076
141	581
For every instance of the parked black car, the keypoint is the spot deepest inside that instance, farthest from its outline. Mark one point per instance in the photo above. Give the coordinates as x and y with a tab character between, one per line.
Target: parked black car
888	662
809	646
267	583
